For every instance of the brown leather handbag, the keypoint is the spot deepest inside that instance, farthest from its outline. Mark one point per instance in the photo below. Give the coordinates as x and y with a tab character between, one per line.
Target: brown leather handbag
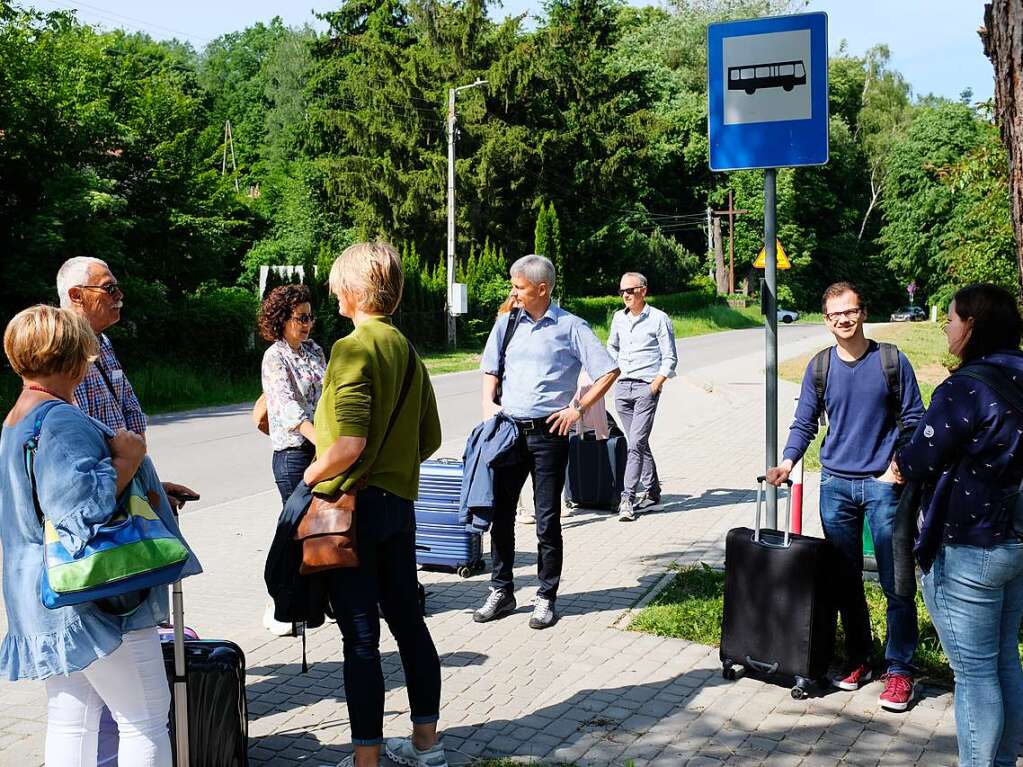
327	530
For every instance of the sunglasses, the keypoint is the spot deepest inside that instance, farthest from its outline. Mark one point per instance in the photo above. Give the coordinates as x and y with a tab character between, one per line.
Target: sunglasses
630	291
111	289
304	319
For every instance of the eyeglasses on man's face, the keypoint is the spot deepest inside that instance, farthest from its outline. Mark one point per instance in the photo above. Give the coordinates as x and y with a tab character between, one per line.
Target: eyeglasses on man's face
111	288
848	314
630	291
303	319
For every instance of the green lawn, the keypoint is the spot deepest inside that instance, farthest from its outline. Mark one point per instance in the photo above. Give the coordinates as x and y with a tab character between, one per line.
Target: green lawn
690	608
924	345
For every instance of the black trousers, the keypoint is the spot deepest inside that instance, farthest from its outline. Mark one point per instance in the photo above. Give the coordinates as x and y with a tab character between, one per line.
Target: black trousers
544	456
386	576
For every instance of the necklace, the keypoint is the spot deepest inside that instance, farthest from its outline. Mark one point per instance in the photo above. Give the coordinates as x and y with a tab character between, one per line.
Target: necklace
45	390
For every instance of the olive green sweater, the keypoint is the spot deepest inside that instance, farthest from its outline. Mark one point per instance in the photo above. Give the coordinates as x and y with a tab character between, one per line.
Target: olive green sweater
360	390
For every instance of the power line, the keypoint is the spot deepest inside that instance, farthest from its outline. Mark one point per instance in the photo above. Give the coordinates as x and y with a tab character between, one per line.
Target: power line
118	20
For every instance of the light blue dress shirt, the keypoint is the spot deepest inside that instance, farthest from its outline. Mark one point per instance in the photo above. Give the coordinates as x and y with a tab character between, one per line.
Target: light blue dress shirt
76	485
544	358
643	346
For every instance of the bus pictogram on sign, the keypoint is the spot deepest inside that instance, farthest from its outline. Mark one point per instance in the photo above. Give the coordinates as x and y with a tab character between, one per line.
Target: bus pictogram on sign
781	74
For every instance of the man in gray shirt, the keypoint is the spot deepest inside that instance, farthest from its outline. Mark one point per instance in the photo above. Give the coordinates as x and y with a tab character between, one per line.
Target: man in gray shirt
642	342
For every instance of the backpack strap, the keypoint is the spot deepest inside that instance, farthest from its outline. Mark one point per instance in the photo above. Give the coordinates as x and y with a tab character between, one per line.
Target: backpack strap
891	366
819	367
513	324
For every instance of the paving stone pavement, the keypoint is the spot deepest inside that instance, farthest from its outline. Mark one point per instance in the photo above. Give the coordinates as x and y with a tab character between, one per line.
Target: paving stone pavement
583	692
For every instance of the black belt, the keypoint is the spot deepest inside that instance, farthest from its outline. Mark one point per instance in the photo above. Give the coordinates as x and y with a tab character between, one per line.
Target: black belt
527	425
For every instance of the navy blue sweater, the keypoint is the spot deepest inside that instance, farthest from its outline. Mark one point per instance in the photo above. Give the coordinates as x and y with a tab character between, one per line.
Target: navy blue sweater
967	451
862	428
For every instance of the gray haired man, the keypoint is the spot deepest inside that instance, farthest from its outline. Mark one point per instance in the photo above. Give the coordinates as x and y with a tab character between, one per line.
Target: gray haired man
544	355
642	342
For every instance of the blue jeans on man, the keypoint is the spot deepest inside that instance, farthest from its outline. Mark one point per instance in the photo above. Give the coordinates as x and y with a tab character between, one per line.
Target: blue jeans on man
845	504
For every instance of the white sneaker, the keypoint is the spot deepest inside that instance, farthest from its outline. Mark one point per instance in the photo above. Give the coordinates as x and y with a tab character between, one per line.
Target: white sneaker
526	518
402	751
276	627
626	512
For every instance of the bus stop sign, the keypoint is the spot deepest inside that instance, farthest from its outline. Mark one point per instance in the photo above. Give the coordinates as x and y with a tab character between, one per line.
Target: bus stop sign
767	86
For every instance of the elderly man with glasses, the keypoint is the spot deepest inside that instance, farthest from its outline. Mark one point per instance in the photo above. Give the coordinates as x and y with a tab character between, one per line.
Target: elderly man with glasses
544	348
642	341
870	396
87	286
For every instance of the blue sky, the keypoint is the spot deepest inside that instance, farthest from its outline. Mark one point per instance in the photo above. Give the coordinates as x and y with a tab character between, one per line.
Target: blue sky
934	43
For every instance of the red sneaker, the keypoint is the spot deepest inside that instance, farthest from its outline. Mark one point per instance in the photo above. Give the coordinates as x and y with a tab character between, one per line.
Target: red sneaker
898	692
855	679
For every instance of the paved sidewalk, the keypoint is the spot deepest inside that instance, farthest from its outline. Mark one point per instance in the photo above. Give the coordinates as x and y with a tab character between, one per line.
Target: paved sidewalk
583	691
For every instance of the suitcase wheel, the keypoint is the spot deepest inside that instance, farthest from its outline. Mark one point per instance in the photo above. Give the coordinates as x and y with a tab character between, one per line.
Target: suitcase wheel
464	572
729	670
800	689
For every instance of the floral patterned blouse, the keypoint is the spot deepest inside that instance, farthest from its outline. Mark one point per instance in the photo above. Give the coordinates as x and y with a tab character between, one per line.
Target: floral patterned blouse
292	383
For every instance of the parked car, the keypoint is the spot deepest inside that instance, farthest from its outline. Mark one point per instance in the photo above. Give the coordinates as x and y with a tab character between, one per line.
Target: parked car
787	315
909	314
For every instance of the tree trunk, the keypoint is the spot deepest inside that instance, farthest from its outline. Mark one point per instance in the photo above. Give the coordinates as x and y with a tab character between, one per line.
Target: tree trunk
720	275
1002	35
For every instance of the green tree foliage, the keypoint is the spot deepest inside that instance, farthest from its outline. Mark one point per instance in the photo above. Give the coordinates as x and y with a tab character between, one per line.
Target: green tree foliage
111	145
918	204
547	242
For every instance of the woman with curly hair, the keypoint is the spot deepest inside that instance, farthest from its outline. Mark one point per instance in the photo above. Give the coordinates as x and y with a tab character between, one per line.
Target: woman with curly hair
292	374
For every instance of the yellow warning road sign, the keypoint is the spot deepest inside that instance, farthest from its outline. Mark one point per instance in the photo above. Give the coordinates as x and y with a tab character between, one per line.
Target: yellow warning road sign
783	260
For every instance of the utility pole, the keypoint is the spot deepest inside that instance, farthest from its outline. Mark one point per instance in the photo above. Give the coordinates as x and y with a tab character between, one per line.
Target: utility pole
731	213
452	121
229	142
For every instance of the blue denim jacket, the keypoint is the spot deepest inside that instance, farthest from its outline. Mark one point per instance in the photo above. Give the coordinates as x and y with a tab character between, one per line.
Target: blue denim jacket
76	485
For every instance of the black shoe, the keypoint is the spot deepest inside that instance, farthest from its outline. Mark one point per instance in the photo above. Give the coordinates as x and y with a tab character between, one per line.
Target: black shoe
543	613
498	603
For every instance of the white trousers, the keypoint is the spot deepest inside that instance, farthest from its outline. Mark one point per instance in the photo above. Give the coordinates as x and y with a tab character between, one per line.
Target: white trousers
132	683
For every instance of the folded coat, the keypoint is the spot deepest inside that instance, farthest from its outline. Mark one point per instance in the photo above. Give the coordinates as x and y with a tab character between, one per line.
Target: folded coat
487	444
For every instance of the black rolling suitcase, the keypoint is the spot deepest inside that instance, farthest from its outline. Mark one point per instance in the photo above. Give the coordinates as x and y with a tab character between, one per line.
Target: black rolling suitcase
207	677
595	476
780	608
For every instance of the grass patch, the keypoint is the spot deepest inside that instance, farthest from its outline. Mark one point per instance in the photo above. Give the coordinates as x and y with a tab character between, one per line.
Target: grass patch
701	321
163	388
924	345
451	362
691	607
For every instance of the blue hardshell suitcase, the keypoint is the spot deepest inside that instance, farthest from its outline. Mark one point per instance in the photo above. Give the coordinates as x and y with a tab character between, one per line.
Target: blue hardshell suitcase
441	540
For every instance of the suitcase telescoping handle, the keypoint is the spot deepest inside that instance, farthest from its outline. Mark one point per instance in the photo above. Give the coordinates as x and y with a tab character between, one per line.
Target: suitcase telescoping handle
761	489
180	678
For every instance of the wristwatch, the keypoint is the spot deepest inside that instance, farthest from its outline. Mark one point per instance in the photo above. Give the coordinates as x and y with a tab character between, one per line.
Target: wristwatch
578	407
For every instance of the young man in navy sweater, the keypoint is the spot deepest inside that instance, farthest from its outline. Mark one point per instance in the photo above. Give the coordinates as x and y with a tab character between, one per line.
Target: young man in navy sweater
858	481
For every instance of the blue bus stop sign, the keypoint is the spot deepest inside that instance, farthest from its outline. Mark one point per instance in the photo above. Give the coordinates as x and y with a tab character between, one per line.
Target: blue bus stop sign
767	86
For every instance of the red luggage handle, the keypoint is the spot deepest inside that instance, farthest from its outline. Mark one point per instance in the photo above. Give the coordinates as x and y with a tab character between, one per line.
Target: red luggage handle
761	482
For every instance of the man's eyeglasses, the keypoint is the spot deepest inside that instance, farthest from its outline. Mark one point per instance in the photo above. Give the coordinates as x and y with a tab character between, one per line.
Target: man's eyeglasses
111	289
304	319
848	314
630	291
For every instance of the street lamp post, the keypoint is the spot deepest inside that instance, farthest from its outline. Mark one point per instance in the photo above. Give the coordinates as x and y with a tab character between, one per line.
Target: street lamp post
452	120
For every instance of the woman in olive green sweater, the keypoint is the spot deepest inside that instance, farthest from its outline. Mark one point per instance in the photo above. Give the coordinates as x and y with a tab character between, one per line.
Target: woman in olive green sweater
360	392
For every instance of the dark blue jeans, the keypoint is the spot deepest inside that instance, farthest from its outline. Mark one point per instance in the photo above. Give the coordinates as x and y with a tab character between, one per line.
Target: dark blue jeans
844	505
545	456
386	576
289	465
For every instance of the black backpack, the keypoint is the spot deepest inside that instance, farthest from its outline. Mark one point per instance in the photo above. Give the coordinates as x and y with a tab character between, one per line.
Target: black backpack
891	365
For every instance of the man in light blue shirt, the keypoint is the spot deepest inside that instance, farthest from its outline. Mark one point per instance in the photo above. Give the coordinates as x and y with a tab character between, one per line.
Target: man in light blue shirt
544	348
642	341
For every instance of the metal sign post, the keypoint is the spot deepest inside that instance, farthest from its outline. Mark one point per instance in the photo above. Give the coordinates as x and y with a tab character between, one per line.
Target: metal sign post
767	107
771	335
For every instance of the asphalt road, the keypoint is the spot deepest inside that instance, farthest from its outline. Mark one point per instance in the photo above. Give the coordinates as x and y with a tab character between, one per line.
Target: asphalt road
219	453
